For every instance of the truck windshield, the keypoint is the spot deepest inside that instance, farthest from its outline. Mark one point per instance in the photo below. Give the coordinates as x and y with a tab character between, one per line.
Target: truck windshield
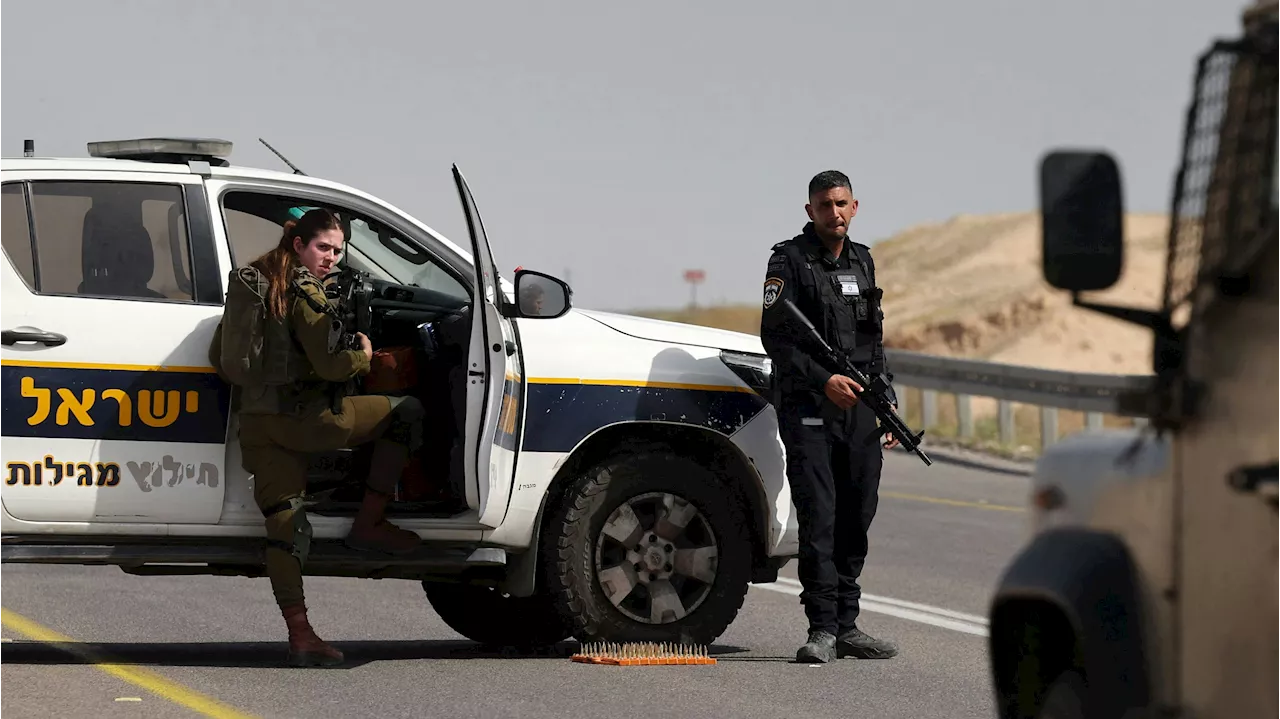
402	262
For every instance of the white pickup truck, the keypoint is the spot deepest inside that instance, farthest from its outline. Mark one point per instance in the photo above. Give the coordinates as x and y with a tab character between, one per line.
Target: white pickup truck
586	474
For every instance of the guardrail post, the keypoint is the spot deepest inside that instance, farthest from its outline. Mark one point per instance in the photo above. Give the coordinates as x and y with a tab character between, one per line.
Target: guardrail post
901	392
964	416
1005	421
1140	421
929	408
1093	420
1048	426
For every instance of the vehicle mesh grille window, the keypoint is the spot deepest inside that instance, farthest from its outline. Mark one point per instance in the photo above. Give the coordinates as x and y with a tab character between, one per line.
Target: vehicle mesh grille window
1222	200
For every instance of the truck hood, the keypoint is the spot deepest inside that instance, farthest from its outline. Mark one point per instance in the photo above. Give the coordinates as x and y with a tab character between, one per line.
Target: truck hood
676	332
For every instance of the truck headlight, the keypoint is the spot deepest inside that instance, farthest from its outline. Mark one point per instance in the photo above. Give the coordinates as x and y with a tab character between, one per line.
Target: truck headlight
753	369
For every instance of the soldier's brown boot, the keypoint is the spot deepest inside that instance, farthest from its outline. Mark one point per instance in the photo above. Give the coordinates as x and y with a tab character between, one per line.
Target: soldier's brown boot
305	648
370	531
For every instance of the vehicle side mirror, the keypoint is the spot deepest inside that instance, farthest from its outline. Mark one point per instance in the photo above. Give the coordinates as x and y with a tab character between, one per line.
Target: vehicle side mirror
541	296
1082	220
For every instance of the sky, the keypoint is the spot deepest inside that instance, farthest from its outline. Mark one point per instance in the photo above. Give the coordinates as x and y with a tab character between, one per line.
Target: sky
616	145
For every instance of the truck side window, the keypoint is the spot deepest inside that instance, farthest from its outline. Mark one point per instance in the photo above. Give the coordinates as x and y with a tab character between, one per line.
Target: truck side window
111	239
254	221
250	236
17	233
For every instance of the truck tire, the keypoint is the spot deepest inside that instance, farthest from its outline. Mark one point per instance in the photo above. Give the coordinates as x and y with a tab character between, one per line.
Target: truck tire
493	619
648	546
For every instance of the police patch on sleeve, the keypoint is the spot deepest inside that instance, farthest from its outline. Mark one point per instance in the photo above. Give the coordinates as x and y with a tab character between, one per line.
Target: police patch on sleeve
772	289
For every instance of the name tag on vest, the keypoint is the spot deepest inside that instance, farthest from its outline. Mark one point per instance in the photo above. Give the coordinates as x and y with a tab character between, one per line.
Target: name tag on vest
848	285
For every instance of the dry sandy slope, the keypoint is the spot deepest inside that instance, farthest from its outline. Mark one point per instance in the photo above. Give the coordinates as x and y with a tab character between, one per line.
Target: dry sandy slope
972	287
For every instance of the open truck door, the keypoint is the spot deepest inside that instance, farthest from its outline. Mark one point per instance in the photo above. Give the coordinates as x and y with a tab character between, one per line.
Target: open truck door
495	380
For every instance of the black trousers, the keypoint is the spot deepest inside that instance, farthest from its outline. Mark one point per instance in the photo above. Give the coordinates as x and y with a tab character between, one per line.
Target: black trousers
835	480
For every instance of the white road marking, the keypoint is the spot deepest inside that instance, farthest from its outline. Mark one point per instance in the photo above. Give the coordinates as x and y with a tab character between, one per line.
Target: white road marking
913	611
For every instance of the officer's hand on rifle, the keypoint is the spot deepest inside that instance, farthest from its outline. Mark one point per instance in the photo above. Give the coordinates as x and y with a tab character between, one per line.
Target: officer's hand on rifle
840	390
890	440
365	345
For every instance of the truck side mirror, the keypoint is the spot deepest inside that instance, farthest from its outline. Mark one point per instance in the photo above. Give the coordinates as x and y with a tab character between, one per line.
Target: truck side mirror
541	296
1082	220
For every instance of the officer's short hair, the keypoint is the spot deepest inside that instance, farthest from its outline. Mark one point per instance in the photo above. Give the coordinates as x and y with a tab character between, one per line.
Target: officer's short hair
829	179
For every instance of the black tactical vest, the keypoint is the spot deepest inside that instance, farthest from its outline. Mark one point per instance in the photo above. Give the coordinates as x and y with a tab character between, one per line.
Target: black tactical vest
851	317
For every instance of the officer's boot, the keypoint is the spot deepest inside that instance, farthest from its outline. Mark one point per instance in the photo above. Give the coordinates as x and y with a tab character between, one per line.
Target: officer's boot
371	531
305	648
821	648
857	643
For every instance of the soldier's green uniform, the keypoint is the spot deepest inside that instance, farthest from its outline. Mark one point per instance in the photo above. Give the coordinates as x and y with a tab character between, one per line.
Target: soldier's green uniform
286	412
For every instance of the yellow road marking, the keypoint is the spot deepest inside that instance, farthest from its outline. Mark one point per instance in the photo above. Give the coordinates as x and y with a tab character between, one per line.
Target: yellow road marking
952	502
144	678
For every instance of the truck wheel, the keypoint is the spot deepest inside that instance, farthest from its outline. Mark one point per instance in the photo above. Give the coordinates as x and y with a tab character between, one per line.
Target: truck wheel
648	546
1065	698
486	615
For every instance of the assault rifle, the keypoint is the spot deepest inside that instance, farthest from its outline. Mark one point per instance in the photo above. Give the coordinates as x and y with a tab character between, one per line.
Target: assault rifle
872	393
349	291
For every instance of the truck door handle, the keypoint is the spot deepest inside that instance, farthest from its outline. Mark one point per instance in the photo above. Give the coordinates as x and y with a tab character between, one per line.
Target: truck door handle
50	339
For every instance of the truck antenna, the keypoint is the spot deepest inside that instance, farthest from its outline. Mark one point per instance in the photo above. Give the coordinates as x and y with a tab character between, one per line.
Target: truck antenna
296	171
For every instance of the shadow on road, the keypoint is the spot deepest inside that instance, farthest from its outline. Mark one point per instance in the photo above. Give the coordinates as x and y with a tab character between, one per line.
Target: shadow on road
785	659
271	654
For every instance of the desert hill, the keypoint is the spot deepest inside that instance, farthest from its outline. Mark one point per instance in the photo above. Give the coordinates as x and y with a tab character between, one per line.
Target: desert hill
972	287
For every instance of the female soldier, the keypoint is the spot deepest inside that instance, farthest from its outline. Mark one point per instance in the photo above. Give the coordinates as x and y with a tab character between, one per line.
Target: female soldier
280	343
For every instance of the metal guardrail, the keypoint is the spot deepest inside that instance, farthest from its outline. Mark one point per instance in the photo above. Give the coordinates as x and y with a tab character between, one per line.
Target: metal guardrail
1050	390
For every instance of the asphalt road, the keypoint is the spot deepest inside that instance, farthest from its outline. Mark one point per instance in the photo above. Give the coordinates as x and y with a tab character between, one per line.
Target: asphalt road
193	646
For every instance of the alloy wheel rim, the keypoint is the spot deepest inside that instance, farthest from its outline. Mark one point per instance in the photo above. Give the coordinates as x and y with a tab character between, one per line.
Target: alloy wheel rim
656	558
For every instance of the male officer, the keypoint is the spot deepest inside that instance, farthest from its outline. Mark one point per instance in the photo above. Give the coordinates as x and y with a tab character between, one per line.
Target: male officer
834	472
